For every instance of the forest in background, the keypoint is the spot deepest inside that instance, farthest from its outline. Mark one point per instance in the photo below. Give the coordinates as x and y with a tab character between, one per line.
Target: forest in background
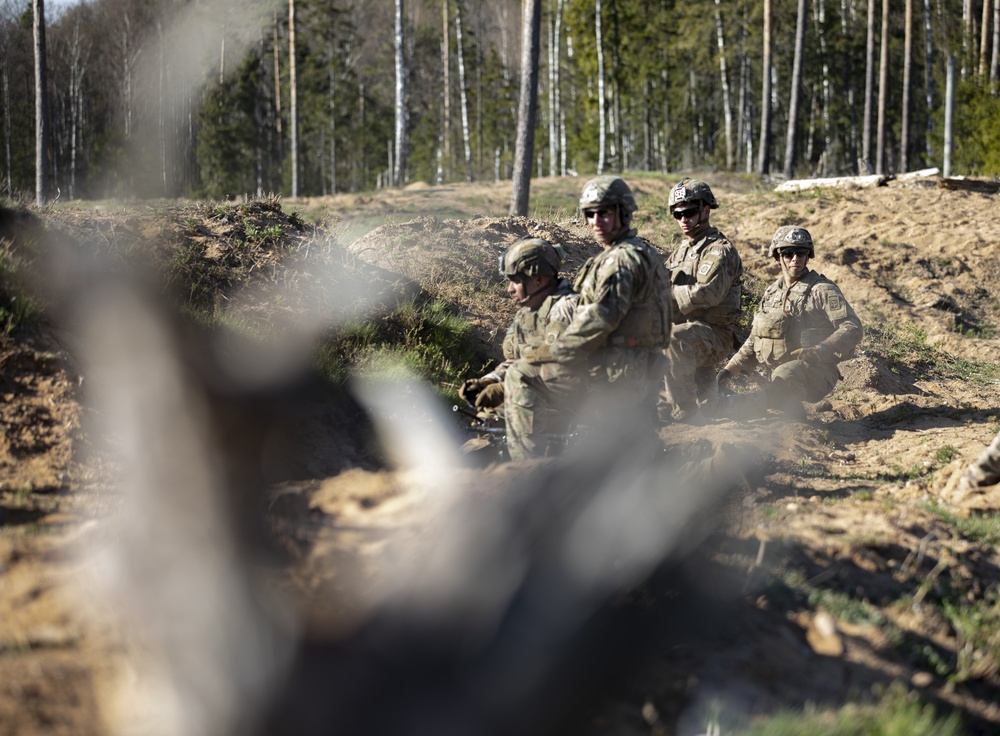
175	98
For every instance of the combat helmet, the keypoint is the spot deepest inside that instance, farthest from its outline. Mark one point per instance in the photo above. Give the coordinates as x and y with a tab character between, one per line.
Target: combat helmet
532	257
791	236
609	190
691	190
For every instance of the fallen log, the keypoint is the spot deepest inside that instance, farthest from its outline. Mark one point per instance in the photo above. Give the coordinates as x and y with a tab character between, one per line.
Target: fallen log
842	182
985	186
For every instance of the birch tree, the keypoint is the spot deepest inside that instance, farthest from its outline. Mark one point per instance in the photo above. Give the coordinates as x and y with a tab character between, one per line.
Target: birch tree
883	90
463	91
764	152
555	100
904	142
398	171
41	104
602	145
727	112
293	99
866	128
527	107
795	92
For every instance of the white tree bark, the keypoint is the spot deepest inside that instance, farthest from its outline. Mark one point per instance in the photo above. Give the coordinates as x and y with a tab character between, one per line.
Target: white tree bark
995	61
555	100
796	89
764	152
293	98
727	110
904	139
928	79
463	91
41	104
883	91
601	113
398	167
866	134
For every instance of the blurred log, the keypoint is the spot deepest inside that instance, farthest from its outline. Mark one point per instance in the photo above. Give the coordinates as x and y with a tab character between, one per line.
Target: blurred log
985	186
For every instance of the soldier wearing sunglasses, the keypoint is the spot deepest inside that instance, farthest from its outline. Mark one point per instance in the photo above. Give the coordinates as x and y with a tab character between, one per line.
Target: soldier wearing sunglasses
706	274
803	328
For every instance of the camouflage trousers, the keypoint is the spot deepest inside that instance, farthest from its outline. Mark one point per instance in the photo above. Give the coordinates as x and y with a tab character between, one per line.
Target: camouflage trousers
539	406
985	471
693	345
791	384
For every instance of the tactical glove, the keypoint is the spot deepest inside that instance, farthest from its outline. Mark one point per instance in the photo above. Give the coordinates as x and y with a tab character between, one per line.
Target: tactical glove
723	376
470	389
813	356
490	397
541	354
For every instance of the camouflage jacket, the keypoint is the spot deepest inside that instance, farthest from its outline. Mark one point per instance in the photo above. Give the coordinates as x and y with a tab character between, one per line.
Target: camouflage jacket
706	280
533	327
811	311
624	305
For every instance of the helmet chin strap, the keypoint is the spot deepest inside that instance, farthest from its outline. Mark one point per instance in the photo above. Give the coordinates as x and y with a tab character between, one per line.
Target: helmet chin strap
528	297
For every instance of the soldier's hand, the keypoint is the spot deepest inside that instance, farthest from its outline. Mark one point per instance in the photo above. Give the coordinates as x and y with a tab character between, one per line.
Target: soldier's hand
722	377
490	397
470	389
541	354
814	356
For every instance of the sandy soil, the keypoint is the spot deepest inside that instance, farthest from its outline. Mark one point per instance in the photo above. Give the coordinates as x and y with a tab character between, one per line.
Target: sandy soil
834	553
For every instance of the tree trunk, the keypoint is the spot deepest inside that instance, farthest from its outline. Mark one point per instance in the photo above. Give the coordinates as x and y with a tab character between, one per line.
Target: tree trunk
77	69
277	99
398	169
866	134
6	120
883	90
764	152
796	87
527	107
949	115
727	112
984	42
928	80
825	87
603	137
463	91
41	105
904	141
293	99
555	101
444	168
995	61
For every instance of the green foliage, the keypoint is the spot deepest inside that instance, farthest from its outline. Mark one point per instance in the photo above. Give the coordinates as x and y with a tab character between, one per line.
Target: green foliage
426	338
896	713
976	130
17	306
903	347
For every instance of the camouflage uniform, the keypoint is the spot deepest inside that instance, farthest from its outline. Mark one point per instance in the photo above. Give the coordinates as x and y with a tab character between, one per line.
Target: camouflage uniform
706	277
615	340
537	397
812	313
985	471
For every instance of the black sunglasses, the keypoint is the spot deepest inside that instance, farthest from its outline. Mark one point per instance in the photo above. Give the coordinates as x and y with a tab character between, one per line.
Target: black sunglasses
689	212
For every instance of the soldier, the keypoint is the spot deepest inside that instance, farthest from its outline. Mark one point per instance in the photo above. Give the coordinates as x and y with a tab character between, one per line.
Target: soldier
621	325
803	328
706	272
546	303
985	471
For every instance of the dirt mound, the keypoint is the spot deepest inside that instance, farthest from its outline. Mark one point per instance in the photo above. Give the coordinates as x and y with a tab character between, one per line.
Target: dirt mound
456	260
844	561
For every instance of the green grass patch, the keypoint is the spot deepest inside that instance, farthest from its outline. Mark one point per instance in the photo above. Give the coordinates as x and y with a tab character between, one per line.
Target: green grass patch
892	711
903	347
426	339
